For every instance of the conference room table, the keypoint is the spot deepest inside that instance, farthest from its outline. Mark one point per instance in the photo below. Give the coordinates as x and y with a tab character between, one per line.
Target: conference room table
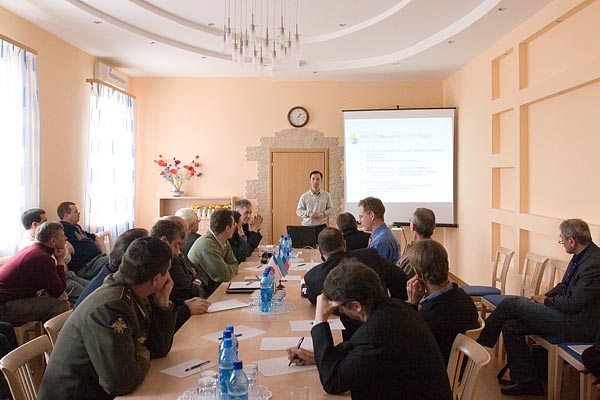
189	344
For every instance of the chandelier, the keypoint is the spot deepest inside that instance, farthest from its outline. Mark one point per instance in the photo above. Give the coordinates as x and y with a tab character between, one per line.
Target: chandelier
261	32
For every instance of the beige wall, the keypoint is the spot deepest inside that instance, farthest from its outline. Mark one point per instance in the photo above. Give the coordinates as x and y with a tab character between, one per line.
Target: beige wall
64	110
218	118
527	150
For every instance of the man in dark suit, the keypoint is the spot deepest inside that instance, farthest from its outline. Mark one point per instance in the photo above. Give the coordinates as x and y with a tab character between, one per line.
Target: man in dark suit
392	355
569	311
333	249
445	307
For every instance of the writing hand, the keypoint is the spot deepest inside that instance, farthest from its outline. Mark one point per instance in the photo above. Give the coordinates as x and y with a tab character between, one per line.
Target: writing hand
197	305
300	356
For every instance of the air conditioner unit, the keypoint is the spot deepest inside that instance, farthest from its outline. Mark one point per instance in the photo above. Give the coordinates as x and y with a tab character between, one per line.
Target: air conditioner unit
103	72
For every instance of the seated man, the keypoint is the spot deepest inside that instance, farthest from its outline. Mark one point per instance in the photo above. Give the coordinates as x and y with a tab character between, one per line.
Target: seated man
445	307
190	216
393	355
422	224
569	311
250	224
354	238
31	271
104	348
85	244
212	250
239	242
333	250
114	260
371	212
33	218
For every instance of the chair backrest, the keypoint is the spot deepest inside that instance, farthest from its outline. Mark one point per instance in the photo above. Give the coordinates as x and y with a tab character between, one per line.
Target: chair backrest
464	377
107	240
475	332
504	256
4	259
54	325
556	273
532	274
15	366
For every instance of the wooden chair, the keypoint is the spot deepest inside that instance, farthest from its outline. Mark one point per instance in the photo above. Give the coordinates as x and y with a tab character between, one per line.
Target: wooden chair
503	256
55	324
475	332
464	377
534	266
565	353
106	239
17	369
557	271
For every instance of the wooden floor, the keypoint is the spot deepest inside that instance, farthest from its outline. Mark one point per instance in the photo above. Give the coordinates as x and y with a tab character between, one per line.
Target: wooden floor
490	390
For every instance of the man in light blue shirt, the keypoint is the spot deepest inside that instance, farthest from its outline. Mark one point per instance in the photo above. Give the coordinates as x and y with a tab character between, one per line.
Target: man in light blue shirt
315	205
370	214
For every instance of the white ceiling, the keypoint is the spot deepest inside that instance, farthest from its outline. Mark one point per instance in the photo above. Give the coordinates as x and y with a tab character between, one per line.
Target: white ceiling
418	40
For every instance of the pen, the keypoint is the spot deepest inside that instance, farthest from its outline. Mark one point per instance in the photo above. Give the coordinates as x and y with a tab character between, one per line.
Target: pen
236	335
297	346
197	365
301	265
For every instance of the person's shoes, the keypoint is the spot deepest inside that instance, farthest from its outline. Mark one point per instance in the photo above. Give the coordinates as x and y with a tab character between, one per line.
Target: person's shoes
532	388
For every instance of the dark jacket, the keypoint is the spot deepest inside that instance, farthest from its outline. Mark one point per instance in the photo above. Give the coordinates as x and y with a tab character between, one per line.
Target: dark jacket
356	239
84	244
391	356
254	238
240	247
447	315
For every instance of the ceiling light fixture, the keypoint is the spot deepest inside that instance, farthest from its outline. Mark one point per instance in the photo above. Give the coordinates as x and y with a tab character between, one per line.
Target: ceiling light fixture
261	31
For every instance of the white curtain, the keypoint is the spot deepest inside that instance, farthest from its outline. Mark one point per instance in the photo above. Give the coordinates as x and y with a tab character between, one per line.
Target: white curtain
110	189
19	141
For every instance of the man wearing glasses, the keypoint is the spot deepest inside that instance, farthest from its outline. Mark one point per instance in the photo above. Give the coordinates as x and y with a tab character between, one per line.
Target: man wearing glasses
569	311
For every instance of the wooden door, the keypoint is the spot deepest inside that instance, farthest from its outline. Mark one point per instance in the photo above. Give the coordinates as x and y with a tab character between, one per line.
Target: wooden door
289	179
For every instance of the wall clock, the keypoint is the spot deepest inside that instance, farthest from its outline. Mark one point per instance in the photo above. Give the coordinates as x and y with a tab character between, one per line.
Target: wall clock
298	116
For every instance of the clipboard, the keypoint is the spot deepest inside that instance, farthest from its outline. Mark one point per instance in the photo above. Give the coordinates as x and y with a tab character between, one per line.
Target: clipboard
242	287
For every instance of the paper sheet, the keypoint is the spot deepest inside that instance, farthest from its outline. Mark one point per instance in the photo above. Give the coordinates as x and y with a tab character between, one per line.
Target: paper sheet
246	333
179	371
257	268
303	266
226	305
306	325
279	366
579	348
284	343
292	278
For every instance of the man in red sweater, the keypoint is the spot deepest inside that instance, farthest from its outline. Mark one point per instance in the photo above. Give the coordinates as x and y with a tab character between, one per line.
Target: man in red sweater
32	284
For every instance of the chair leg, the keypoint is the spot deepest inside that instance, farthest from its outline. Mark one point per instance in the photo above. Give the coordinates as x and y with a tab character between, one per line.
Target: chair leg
558	370
552	377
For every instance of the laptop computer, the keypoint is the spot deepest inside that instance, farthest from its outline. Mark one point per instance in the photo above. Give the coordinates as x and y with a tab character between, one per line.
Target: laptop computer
302	236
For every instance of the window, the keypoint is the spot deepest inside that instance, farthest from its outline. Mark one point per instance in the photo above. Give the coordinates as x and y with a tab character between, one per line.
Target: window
110	189
19	130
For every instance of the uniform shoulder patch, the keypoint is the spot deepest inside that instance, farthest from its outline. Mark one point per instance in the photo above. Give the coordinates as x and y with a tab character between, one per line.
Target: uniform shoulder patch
119	323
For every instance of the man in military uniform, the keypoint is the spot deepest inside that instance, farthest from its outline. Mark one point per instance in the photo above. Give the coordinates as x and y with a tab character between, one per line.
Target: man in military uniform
104	348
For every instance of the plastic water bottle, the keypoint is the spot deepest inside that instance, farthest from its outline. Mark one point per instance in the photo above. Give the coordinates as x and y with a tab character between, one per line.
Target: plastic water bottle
226	359
226	335
234	339
289	239
237	387
281	244
266	292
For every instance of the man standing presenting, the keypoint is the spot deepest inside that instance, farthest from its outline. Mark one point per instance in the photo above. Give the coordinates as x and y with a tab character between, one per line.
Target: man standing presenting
315	205
105	347
86	247
250	224
32	270
370	214
569	311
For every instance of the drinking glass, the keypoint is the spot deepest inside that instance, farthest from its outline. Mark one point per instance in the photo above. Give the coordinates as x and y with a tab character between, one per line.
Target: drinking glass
251	371
299	393
208	388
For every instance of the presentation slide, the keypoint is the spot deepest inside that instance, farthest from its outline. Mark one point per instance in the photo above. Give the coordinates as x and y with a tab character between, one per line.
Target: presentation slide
404	157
